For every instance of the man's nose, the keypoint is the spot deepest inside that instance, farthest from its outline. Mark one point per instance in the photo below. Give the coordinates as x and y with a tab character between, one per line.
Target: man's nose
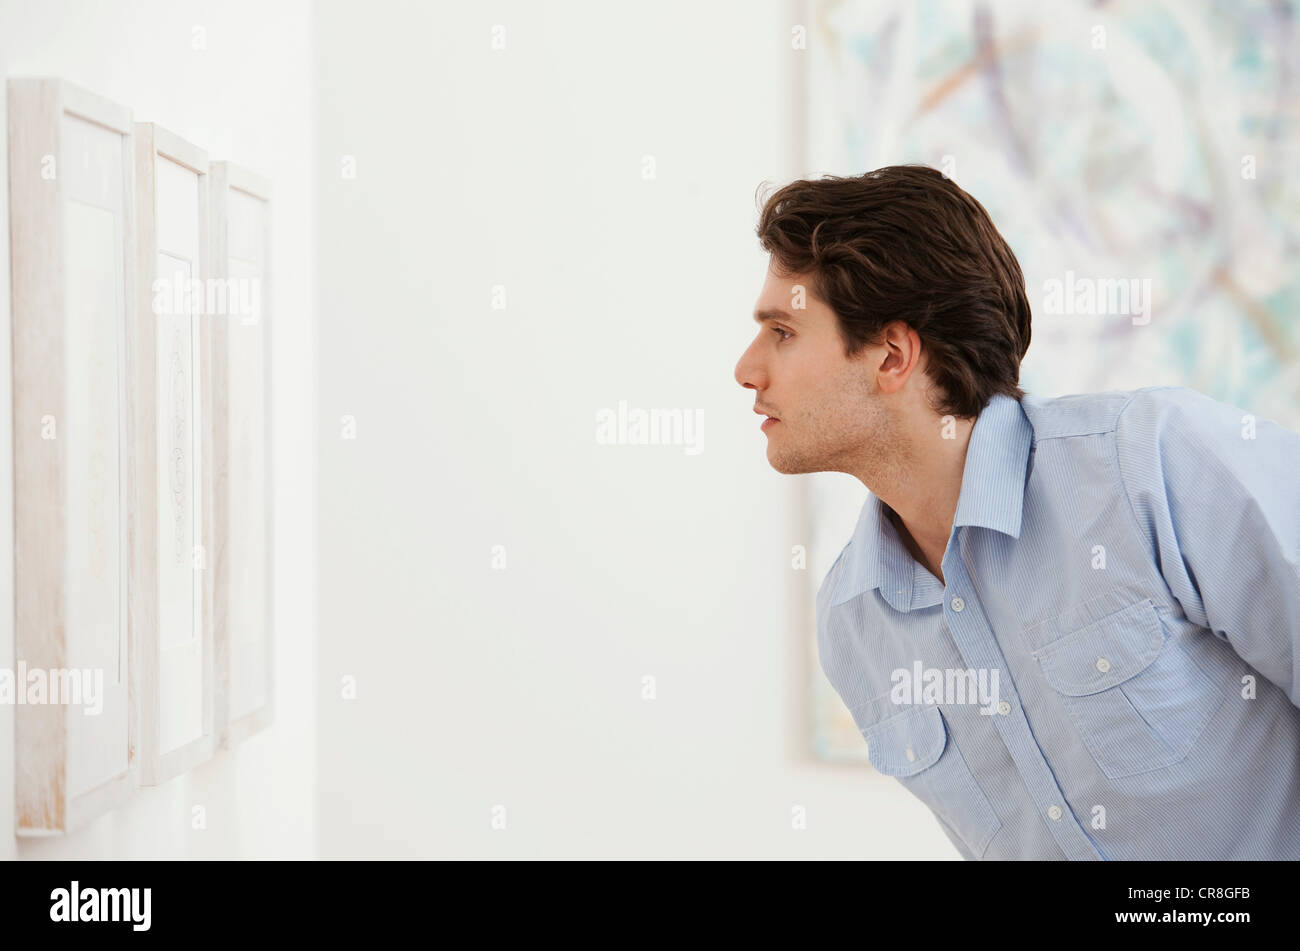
749	372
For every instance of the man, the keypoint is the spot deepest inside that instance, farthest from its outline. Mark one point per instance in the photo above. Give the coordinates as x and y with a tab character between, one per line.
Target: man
1069	626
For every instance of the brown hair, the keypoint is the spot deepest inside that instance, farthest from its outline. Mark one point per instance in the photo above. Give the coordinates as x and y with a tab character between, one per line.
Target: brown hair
905	243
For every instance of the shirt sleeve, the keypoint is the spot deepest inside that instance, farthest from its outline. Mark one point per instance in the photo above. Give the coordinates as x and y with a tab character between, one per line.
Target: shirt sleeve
1217	492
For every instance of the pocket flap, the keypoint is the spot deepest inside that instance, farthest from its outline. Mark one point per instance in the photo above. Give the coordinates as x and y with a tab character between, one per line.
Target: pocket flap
908	742
1104	653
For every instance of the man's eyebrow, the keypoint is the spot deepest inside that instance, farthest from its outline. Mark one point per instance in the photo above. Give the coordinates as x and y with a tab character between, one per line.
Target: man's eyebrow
775	314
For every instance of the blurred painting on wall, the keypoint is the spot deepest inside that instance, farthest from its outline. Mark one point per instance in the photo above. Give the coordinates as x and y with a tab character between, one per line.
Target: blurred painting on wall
1141	159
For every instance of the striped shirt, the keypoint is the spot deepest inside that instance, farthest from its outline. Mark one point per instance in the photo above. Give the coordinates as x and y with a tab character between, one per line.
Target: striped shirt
1123	576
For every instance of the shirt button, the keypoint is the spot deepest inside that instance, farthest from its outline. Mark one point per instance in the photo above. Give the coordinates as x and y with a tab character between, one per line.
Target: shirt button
1103	664
911	757
958	604
1003	707
1054	812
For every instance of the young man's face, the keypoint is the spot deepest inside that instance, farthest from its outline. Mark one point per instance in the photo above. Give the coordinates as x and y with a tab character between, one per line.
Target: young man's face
829	411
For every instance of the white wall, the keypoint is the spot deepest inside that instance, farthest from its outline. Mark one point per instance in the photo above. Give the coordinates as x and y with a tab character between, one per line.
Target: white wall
521	688
246	98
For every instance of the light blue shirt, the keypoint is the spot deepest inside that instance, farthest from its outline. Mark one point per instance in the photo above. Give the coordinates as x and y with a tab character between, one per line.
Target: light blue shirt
1127	564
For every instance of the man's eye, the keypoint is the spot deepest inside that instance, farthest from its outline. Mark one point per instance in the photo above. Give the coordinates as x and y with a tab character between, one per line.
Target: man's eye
782	330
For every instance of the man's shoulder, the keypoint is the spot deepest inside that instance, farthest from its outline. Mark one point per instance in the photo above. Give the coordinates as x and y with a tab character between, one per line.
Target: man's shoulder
1090	414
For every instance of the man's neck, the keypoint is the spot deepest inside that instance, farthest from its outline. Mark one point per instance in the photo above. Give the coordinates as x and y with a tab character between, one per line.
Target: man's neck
924	502
931	560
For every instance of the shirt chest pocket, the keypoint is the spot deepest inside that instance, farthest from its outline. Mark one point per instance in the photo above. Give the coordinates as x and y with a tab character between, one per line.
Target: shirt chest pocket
1137	699
914	747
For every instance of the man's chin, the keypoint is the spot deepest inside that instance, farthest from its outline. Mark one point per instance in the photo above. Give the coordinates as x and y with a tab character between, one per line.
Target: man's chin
787	464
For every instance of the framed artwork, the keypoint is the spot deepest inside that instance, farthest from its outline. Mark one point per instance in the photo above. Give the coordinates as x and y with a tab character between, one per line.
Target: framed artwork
72	258
172	453
241	217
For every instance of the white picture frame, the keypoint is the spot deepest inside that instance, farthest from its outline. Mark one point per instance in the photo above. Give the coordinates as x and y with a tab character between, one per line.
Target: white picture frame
173	456
72	258
242	452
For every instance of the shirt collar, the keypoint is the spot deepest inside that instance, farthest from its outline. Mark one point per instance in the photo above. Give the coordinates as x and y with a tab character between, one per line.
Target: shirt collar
992	496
